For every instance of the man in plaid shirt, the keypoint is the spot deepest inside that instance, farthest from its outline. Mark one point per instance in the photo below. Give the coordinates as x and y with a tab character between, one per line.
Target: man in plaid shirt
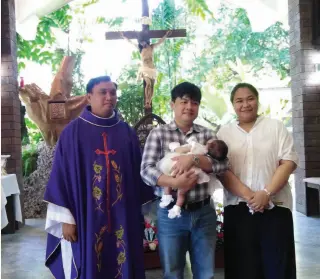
195	230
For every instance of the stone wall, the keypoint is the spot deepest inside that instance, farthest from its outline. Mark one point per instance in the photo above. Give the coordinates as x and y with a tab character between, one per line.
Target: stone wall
34	186
305	71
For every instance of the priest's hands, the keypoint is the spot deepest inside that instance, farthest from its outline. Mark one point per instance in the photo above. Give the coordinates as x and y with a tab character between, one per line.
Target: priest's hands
69	232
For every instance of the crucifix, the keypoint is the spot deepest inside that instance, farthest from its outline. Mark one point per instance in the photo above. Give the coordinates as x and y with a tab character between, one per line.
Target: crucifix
147	71
106	152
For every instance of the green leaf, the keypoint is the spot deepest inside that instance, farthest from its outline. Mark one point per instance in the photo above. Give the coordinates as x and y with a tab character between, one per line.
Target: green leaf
216	104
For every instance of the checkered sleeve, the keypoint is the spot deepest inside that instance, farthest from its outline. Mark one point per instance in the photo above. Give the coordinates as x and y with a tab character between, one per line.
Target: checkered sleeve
151	155
218	167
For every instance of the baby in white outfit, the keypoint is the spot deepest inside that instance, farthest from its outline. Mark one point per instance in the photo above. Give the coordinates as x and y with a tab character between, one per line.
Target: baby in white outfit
217	149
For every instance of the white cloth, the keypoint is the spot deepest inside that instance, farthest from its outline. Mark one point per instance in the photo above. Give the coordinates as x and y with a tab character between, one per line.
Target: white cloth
255	156
29	12
166	164
56	215
312	180
216	189
10	186
4	218
147	72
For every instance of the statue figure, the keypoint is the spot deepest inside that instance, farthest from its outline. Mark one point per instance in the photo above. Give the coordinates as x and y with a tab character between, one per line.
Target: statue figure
147	70
51	113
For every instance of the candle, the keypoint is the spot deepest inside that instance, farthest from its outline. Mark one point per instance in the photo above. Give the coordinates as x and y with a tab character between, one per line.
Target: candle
21	82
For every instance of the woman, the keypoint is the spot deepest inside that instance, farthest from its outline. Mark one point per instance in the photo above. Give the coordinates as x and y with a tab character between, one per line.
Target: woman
259	241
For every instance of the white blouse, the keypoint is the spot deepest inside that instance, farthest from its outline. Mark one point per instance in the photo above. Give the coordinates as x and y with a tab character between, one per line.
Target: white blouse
255	156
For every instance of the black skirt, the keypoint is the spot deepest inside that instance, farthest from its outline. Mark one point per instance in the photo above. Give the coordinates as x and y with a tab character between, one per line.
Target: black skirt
259	246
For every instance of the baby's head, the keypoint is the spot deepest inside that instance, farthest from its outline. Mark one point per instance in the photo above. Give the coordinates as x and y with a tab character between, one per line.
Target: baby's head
217	149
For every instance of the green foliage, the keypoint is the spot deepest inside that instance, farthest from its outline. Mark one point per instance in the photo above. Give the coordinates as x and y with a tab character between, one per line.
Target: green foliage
167	57
91	2
34	135
79	86
198	8
29	160
41	50
215	103
281	111
231	53
130	102
112	23
235	53
232	39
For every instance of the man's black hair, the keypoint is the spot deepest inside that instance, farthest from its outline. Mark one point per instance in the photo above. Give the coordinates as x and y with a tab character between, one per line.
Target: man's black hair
94	81
187	89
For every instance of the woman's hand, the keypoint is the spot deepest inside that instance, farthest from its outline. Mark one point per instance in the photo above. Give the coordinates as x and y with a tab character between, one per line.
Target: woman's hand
259	201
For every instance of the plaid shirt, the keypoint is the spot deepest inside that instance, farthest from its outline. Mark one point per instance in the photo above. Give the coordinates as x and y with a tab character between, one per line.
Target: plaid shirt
157	146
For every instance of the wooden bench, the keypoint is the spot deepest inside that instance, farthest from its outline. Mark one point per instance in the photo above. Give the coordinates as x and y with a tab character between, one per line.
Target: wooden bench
312	185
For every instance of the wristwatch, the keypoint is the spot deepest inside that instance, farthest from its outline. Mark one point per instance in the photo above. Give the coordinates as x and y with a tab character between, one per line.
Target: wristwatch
196	160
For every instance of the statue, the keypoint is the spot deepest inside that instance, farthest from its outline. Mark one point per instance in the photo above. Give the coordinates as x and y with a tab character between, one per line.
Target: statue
51	113
147	70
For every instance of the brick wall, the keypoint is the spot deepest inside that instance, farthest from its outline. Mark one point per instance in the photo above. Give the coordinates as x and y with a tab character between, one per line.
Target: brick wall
10	103
305	95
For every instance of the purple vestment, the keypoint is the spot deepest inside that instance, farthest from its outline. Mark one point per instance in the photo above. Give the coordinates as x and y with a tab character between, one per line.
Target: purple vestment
96	175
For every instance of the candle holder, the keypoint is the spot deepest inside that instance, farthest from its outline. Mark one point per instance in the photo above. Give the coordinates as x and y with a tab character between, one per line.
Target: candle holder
4	163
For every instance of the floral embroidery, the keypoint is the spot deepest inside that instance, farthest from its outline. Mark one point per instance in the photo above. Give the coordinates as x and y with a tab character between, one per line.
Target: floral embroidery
119	233
118	179
99	246
96	191
121	259
97	194
97	168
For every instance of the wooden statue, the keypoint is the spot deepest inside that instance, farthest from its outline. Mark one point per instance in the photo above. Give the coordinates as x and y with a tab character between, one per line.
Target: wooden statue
147	70
51	113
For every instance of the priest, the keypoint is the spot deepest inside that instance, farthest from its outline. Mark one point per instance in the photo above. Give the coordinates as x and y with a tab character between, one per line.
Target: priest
95	194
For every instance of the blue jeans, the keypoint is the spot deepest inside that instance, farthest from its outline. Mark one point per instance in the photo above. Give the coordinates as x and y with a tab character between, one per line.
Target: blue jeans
195	232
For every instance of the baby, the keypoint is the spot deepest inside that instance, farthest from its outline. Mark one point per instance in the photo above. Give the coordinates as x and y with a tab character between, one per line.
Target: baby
217	149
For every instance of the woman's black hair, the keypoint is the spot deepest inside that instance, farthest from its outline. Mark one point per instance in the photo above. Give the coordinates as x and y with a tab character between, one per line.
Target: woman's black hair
244	85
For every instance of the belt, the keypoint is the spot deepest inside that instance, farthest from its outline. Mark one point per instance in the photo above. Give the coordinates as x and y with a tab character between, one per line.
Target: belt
196	205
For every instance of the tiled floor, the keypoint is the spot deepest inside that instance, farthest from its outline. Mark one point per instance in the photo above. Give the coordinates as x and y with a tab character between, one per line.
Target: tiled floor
22	254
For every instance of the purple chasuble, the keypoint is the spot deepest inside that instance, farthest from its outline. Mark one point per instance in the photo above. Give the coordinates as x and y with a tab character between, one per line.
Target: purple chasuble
96	175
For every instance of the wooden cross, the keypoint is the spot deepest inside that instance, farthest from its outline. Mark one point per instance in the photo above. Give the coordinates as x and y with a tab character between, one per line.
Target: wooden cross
147	35
106	152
